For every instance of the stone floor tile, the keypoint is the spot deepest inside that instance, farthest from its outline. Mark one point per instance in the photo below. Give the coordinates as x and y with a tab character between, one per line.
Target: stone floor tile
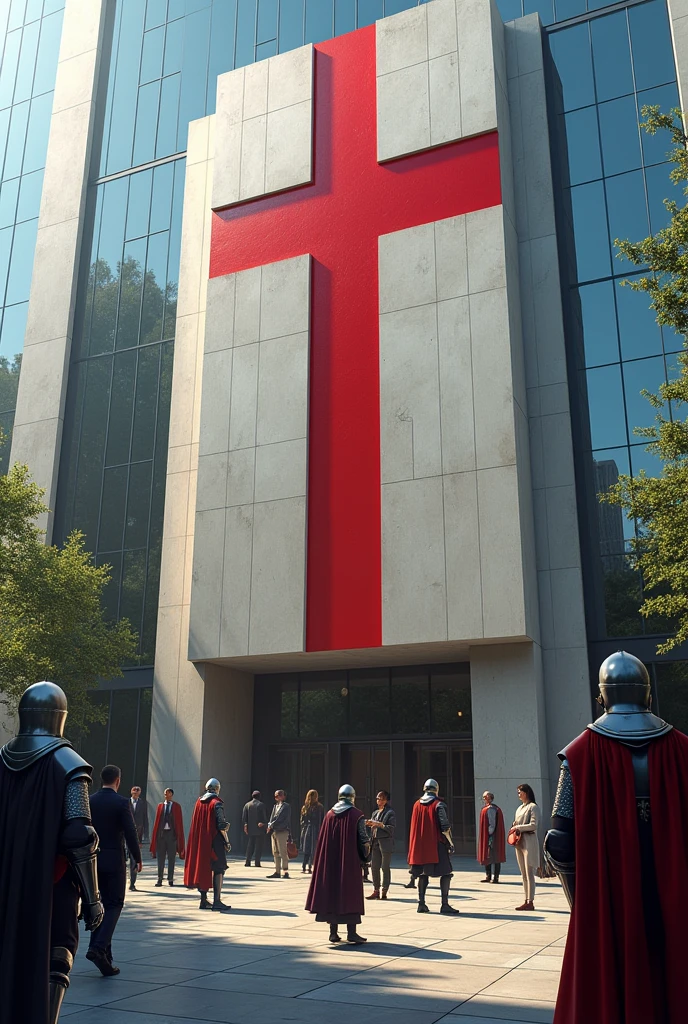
218	956
234	981
418	974
520	981
545	961
528	931
389	995
495	1008
97	990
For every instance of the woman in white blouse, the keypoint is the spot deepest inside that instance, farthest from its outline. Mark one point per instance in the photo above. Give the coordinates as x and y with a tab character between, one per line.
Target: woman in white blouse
526	825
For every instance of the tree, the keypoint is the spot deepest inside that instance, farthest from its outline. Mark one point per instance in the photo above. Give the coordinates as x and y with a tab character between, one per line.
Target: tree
51	616
660	504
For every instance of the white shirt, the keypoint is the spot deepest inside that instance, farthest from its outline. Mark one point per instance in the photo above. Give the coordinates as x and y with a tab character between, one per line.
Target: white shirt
134	803
167	824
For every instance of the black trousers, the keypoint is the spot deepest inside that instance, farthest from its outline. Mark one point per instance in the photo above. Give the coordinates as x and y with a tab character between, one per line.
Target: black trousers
112	887
133	873
255	849
166	848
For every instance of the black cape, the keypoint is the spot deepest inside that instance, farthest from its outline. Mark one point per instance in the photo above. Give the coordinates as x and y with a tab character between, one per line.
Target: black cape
30	822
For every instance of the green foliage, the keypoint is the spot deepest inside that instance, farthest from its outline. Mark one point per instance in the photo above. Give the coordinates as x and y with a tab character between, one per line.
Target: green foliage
51	618
660	504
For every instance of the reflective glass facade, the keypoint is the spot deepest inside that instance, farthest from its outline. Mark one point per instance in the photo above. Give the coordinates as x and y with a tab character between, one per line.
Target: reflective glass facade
30	33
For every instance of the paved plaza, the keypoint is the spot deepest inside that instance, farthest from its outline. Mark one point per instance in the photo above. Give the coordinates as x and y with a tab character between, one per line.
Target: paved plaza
268	961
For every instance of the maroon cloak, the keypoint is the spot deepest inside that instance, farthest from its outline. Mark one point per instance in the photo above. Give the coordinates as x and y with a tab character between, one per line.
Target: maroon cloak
498	854
198	872
610	975
336	889
425	834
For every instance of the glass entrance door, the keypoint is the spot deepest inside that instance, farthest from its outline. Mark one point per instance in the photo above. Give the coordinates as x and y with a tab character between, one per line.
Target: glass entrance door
451	764
365	766
296	770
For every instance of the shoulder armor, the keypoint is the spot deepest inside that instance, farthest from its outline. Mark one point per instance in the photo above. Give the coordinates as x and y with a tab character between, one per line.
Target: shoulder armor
23	751
73	764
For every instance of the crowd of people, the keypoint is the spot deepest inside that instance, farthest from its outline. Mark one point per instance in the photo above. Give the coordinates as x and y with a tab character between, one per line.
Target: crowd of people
620	783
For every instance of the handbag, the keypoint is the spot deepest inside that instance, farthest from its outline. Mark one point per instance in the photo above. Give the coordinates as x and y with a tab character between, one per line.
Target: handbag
292	849
514	838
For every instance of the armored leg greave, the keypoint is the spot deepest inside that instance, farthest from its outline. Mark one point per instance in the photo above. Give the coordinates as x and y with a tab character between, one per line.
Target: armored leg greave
61	961
82	857
422	887
445	882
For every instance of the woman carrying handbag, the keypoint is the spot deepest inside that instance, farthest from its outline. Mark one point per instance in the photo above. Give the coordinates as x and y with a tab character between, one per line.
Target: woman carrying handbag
312	814
523	836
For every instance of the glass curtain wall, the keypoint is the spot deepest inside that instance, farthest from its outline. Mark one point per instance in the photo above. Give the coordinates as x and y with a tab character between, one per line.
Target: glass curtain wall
165	59
30	40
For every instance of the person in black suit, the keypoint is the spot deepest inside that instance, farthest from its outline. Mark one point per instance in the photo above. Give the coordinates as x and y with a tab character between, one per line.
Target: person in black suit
114	823
254	818
139	810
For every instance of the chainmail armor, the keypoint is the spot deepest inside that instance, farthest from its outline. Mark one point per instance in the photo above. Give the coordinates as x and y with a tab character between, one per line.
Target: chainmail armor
442	816
563	801
76	803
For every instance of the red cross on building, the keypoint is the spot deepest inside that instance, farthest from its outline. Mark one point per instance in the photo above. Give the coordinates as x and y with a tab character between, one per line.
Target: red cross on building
338	219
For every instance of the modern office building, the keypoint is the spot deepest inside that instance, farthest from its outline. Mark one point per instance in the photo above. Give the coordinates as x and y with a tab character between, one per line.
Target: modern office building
322	346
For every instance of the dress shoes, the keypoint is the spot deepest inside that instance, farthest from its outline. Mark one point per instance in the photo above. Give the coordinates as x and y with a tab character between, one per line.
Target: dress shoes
411	884
528	905
423	908
170	882
158	884
447	909
375	895
285	875
275	874
383	894
99	958
221	906
355	939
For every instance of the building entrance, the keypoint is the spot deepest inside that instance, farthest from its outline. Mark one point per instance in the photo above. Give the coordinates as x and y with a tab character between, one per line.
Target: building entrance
296	770
366	767
450	764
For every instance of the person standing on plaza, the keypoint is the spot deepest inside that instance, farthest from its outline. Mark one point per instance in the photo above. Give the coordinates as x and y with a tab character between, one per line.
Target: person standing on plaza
382	826
526	842
491	845
168	836
430	844
206	860
312	815
279	830
139	811
618	842
254	819
47	859
113	821
335	894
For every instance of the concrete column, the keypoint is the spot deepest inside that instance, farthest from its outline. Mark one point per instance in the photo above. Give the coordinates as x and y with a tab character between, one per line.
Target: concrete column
678	17
39	417
555	513
509	724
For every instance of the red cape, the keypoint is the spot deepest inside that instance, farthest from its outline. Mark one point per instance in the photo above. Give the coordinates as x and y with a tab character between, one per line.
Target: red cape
198	872
425	834
606	976
178	825
498	855
336	887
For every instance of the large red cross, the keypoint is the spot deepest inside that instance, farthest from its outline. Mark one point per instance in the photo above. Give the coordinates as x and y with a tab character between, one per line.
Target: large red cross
338	219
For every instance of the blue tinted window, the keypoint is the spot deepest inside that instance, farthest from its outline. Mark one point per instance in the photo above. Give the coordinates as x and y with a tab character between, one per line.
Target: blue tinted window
590	231
174	47
639	375
246	33
319	23
193	83
166	141
627	210
509	9
37	133
641	459
568	8
653	56
8	70
606	407
573	60
13	327
265	50
640	333
599	323
21	262
9	192
146	123
138	210
545	8
156	12
583	145
659	188
368	12
15	140
48	47
656	147
27	63
611	56
151	56
620	135
266	26
30	195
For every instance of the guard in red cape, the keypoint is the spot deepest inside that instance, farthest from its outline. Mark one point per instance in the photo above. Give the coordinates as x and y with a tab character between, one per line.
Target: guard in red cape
47	860
207	848
618	843
336	890
491	845
430	845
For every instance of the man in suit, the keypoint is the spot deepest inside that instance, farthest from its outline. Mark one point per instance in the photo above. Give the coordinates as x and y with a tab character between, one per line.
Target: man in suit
168	836
139	810
113	821
254	818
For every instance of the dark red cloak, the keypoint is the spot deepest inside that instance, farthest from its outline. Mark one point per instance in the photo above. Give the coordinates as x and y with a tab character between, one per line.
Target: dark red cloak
425	834
607	976
198	872
498	855
336	888
178	826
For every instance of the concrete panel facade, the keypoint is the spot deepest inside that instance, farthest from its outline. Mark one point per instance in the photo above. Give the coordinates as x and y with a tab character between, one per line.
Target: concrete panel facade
250	552
678	17
264	127
39	417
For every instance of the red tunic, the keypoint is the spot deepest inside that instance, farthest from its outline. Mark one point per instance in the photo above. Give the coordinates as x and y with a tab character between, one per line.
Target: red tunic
498	853
178	826
198	873
609	975
425	834
336	889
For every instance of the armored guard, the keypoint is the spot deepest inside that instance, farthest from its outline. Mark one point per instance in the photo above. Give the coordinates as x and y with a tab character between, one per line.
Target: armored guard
47	859
618	843
430	844
207	848
336	890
